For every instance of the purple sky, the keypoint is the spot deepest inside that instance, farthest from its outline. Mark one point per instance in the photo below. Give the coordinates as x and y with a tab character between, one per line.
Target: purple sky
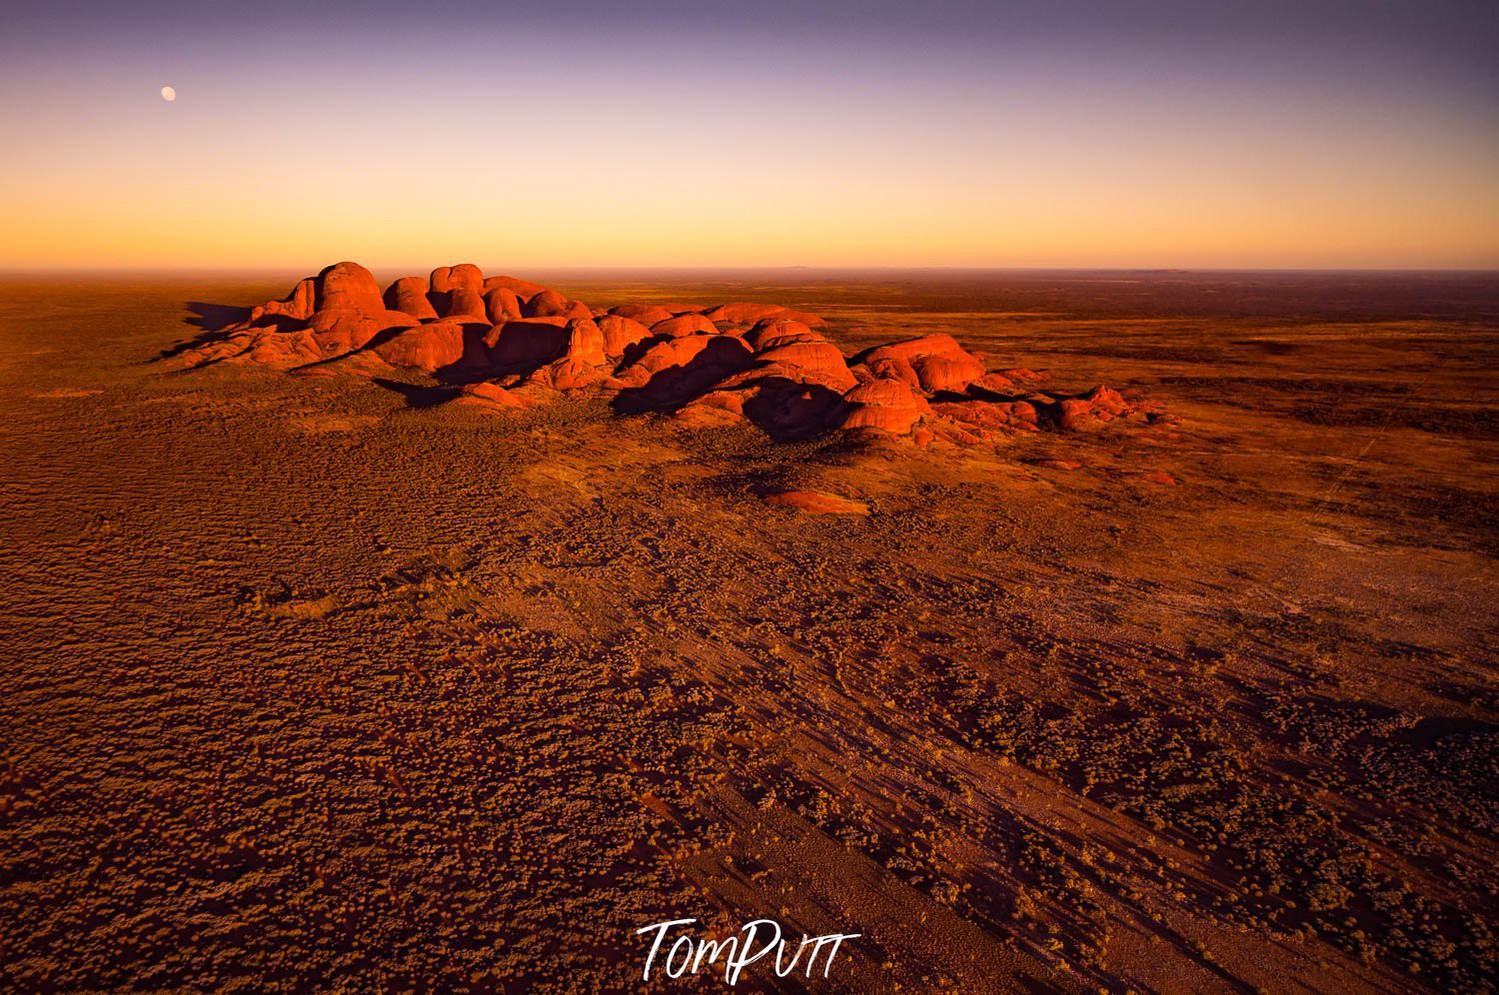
1196	134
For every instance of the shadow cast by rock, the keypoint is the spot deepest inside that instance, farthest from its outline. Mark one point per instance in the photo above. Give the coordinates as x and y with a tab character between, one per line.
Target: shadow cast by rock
419	395
790	411
670	388
216	322
215	317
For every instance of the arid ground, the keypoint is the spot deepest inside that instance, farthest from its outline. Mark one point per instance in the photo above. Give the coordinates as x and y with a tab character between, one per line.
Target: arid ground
325	683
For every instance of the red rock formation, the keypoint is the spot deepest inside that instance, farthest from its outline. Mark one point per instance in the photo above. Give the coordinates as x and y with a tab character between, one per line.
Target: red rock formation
409	295
930	363
327	334
773	332
438	345
585	342
524	289
568	373
493	394
464	276
340	330
684	325
524	345
297	305
620	333
985	416
646	314
1097	407
662	355
821	359
549	303
546	304
704	414
287	349
888	405
806	318
348	285
947	373
464	303
741	313
676	370
782	375
501	305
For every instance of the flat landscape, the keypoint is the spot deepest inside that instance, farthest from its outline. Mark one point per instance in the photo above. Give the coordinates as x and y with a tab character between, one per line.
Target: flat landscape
319	679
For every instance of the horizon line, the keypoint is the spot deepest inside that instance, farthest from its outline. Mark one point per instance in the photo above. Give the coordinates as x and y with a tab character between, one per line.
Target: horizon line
10	271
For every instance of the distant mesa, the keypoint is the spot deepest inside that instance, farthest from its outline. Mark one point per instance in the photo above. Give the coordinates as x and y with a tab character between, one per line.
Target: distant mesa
515	344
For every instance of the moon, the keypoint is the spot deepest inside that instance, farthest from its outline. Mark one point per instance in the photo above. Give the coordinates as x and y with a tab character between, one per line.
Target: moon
168	94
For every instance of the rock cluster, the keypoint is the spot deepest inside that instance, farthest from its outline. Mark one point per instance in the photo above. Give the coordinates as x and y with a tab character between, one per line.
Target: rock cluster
517	344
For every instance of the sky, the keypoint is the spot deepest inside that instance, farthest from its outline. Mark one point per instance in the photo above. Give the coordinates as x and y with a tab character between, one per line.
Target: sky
1071	133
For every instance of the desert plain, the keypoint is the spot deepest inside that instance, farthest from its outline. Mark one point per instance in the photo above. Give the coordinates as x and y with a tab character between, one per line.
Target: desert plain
318	676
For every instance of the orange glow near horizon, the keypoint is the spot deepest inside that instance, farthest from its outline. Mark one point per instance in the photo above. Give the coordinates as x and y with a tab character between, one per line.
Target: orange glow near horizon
678	219
1060	161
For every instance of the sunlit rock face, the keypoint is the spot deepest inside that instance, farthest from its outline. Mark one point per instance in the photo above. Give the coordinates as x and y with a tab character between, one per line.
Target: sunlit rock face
512	344
348	285
409	294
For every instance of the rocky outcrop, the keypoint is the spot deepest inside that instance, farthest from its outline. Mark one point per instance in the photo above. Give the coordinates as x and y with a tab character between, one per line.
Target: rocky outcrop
886	405
815	362
684	325
464	276
516	344
646	314
465	303
297	305
550	304
620	333
348	285
741	313
775	332
501	304
439	345
409	296
930	363
524	289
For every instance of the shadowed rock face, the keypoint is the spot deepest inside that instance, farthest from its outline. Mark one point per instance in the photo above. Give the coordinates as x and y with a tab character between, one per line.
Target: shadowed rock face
520	346
516	344
501	304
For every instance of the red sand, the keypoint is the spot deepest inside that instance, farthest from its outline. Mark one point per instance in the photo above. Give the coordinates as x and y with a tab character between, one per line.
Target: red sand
324	680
